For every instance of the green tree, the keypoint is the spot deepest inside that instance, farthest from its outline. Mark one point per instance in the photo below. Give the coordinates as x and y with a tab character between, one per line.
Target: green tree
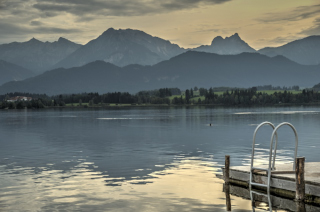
20	105
187	96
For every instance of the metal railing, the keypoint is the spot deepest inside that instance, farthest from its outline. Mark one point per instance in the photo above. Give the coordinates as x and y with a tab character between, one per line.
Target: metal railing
272	153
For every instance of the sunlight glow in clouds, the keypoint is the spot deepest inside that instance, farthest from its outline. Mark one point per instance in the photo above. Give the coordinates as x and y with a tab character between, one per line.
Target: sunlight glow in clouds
188	23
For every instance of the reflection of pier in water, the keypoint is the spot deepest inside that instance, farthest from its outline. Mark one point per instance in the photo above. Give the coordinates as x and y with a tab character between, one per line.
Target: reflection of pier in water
262	202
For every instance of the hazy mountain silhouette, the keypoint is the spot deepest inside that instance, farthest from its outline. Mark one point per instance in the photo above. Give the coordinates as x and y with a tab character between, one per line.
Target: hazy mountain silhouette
36	55
123	47
316	87
95	76
12	72
128	46
184	71
305	51
230	45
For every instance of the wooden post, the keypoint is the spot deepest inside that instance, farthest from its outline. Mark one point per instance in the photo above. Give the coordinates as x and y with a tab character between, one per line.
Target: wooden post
227	169
300	183
300	206
226	182
228	199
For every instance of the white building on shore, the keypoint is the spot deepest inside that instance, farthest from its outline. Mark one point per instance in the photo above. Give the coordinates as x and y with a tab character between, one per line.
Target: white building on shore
19	98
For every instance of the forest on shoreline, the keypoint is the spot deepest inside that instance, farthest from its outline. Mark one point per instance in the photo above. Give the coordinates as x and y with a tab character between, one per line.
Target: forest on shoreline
170	97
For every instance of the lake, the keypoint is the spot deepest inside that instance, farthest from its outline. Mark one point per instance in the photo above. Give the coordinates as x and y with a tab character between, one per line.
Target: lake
138	159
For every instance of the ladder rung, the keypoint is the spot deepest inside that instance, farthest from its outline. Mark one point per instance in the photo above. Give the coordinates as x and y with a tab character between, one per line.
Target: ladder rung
259	184
258	171
259	193
257	168
283	172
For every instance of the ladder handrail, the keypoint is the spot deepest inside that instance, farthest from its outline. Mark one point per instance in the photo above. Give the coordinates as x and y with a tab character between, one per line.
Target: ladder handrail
254	141
253	147
296	143
270	168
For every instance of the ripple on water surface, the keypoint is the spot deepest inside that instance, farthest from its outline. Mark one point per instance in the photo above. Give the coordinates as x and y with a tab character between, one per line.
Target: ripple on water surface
187	185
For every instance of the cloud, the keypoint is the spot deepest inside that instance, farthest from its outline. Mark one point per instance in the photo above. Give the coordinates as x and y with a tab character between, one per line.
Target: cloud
20	21
17	29
20	31
119	7
298	13
35	23
314	30
221	30
32	17
55	30
9	29
284	39
2	5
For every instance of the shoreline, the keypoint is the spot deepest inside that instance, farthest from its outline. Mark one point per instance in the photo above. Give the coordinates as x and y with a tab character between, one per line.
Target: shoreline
171	105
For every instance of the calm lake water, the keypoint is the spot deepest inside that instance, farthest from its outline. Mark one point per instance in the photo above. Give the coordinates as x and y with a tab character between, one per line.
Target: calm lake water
138	159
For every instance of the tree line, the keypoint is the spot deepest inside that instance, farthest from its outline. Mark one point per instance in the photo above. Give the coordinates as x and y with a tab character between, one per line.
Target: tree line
168	96
249	97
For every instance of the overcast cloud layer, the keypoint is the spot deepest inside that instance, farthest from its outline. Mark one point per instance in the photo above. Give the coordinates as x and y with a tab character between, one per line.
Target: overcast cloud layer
117	7
186	22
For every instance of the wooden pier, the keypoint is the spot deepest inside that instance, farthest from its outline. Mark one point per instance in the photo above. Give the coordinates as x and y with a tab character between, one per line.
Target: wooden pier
282	185
298	181
277	203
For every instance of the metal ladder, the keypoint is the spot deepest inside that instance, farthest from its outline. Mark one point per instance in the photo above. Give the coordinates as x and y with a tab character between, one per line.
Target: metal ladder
271	169
253	201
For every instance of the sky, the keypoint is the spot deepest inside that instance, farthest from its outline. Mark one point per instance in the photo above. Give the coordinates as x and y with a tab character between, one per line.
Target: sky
188	23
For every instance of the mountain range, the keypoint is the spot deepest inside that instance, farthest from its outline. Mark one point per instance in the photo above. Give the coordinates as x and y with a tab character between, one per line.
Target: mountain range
12	72
123	47
186	70
128	46
230	45
132	60
304	51
36	55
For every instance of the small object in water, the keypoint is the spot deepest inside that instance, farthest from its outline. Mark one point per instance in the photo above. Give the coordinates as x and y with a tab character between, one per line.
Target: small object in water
210	124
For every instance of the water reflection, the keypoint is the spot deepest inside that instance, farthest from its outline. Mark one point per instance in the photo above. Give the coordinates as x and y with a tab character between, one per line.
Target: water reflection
188	185
137	159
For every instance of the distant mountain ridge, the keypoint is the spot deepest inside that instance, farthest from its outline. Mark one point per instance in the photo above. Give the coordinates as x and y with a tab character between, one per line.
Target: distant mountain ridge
36	55
230	45
120	47
305	51
11	72
123	47
184	71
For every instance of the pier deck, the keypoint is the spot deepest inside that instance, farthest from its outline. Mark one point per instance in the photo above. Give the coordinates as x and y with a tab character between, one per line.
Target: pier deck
281	184
277	203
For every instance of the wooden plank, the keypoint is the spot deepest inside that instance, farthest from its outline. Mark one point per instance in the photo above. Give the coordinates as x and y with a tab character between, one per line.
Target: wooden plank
313	190
239	175
276	201
286	182
282	172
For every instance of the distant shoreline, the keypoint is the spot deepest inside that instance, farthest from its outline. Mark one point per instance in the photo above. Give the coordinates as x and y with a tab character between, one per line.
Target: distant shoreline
167	105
